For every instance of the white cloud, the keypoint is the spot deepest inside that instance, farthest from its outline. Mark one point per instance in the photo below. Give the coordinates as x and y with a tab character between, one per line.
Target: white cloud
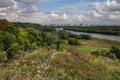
107	12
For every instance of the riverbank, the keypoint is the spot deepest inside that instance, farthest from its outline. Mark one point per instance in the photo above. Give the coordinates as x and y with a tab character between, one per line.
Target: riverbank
94	35
108	30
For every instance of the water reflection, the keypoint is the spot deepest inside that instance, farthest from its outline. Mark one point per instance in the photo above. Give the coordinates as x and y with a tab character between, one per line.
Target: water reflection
97	35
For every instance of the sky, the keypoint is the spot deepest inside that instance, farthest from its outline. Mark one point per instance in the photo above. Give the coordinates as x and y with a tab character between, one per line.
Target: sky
93	12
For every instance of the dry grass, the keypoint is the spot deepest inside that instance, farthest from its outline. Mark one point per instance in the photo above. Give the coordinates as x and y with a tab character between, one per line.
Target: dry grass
80	66
29	67
100	43
73	65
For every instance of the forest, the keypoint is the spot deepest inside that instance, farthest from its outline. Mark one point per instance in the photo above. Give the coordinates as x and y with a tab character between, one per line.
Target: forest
31	51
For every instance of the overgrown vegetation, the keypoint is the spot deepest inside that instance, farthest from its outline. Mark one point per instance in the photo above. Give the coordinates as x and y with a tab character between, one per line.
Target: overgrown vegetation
67	35
73	41
113	53
33	52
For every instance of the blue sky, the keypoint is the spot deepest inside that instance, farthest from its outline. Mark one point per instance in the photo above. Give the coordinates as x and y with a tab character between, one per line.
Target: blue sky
53	5
56	4
68	6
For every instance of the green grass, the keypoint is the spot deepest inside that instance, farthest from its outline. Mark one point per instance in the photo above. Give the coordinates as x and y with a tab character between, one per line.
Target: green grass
88	49
95	42
87	46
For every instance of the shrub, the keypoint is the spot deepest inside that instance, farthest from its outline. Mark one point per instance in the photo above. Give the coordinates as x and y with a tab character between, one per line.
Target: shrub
12	51
115	75
6	39
112	56
84	36
3	57
95	53
64	34
73	41
114	52
62	46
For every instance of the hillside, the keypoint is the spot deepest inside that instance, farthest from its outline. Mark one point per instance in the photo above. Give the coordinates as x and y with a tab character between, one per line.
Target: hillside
67	65
34	52
5	23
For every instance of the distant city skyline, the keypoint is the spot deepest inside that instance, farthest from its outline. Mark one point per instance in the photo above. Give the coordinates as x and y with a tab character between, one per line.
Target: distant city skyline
93	12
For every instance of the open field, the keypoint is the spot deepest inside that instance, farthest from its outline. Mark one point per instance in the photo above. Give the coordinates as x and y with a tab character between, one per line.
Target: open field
94	44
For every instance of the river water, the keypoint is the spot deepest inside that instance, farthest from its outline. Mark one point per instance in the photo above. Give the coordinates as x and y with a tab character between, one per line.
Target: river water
96	35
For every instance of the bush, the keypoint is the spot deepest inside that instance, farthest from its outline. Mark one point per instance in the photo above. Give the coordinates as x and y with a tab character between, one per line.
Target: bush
95	53
6	39
115	75
64	34
3	57
114	52
13	51
83	36
112	56
62	46
73	41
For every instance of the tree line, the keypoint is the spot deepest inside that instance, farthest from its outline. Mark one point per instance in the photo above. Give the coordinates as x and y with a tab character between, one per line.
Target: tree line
110	30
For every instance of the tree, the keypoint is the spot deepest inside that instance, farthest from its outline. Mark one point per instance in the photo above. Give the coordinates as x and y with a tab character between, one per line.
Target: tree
73	41
62	46
6	39
50	38
64	35
13	51
113	52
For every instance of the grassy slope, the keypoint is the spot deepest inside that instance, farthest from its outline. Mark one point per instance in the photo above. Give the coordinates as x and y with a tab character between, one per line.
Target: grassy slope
88	46
28	67
66	66
32	67
73	65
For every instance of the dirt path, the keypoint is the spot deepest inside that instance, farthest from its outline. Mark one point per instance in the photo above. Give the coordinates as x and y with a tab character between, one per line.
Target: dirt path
49	59
47	64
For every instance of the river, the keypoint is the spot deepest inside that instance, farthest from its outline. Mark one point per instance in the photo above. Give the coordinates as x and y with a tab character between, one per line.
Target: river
96	35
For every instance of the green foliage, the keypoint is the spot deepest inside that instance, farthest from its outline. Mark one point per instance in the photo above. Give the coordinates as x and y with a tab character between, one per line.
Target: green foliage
6	39
110	30
66	35
23	36
115	75
95	53
3	57
73	41
27	36
1	47
83	36
50	38
114	52
13	51
62	46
